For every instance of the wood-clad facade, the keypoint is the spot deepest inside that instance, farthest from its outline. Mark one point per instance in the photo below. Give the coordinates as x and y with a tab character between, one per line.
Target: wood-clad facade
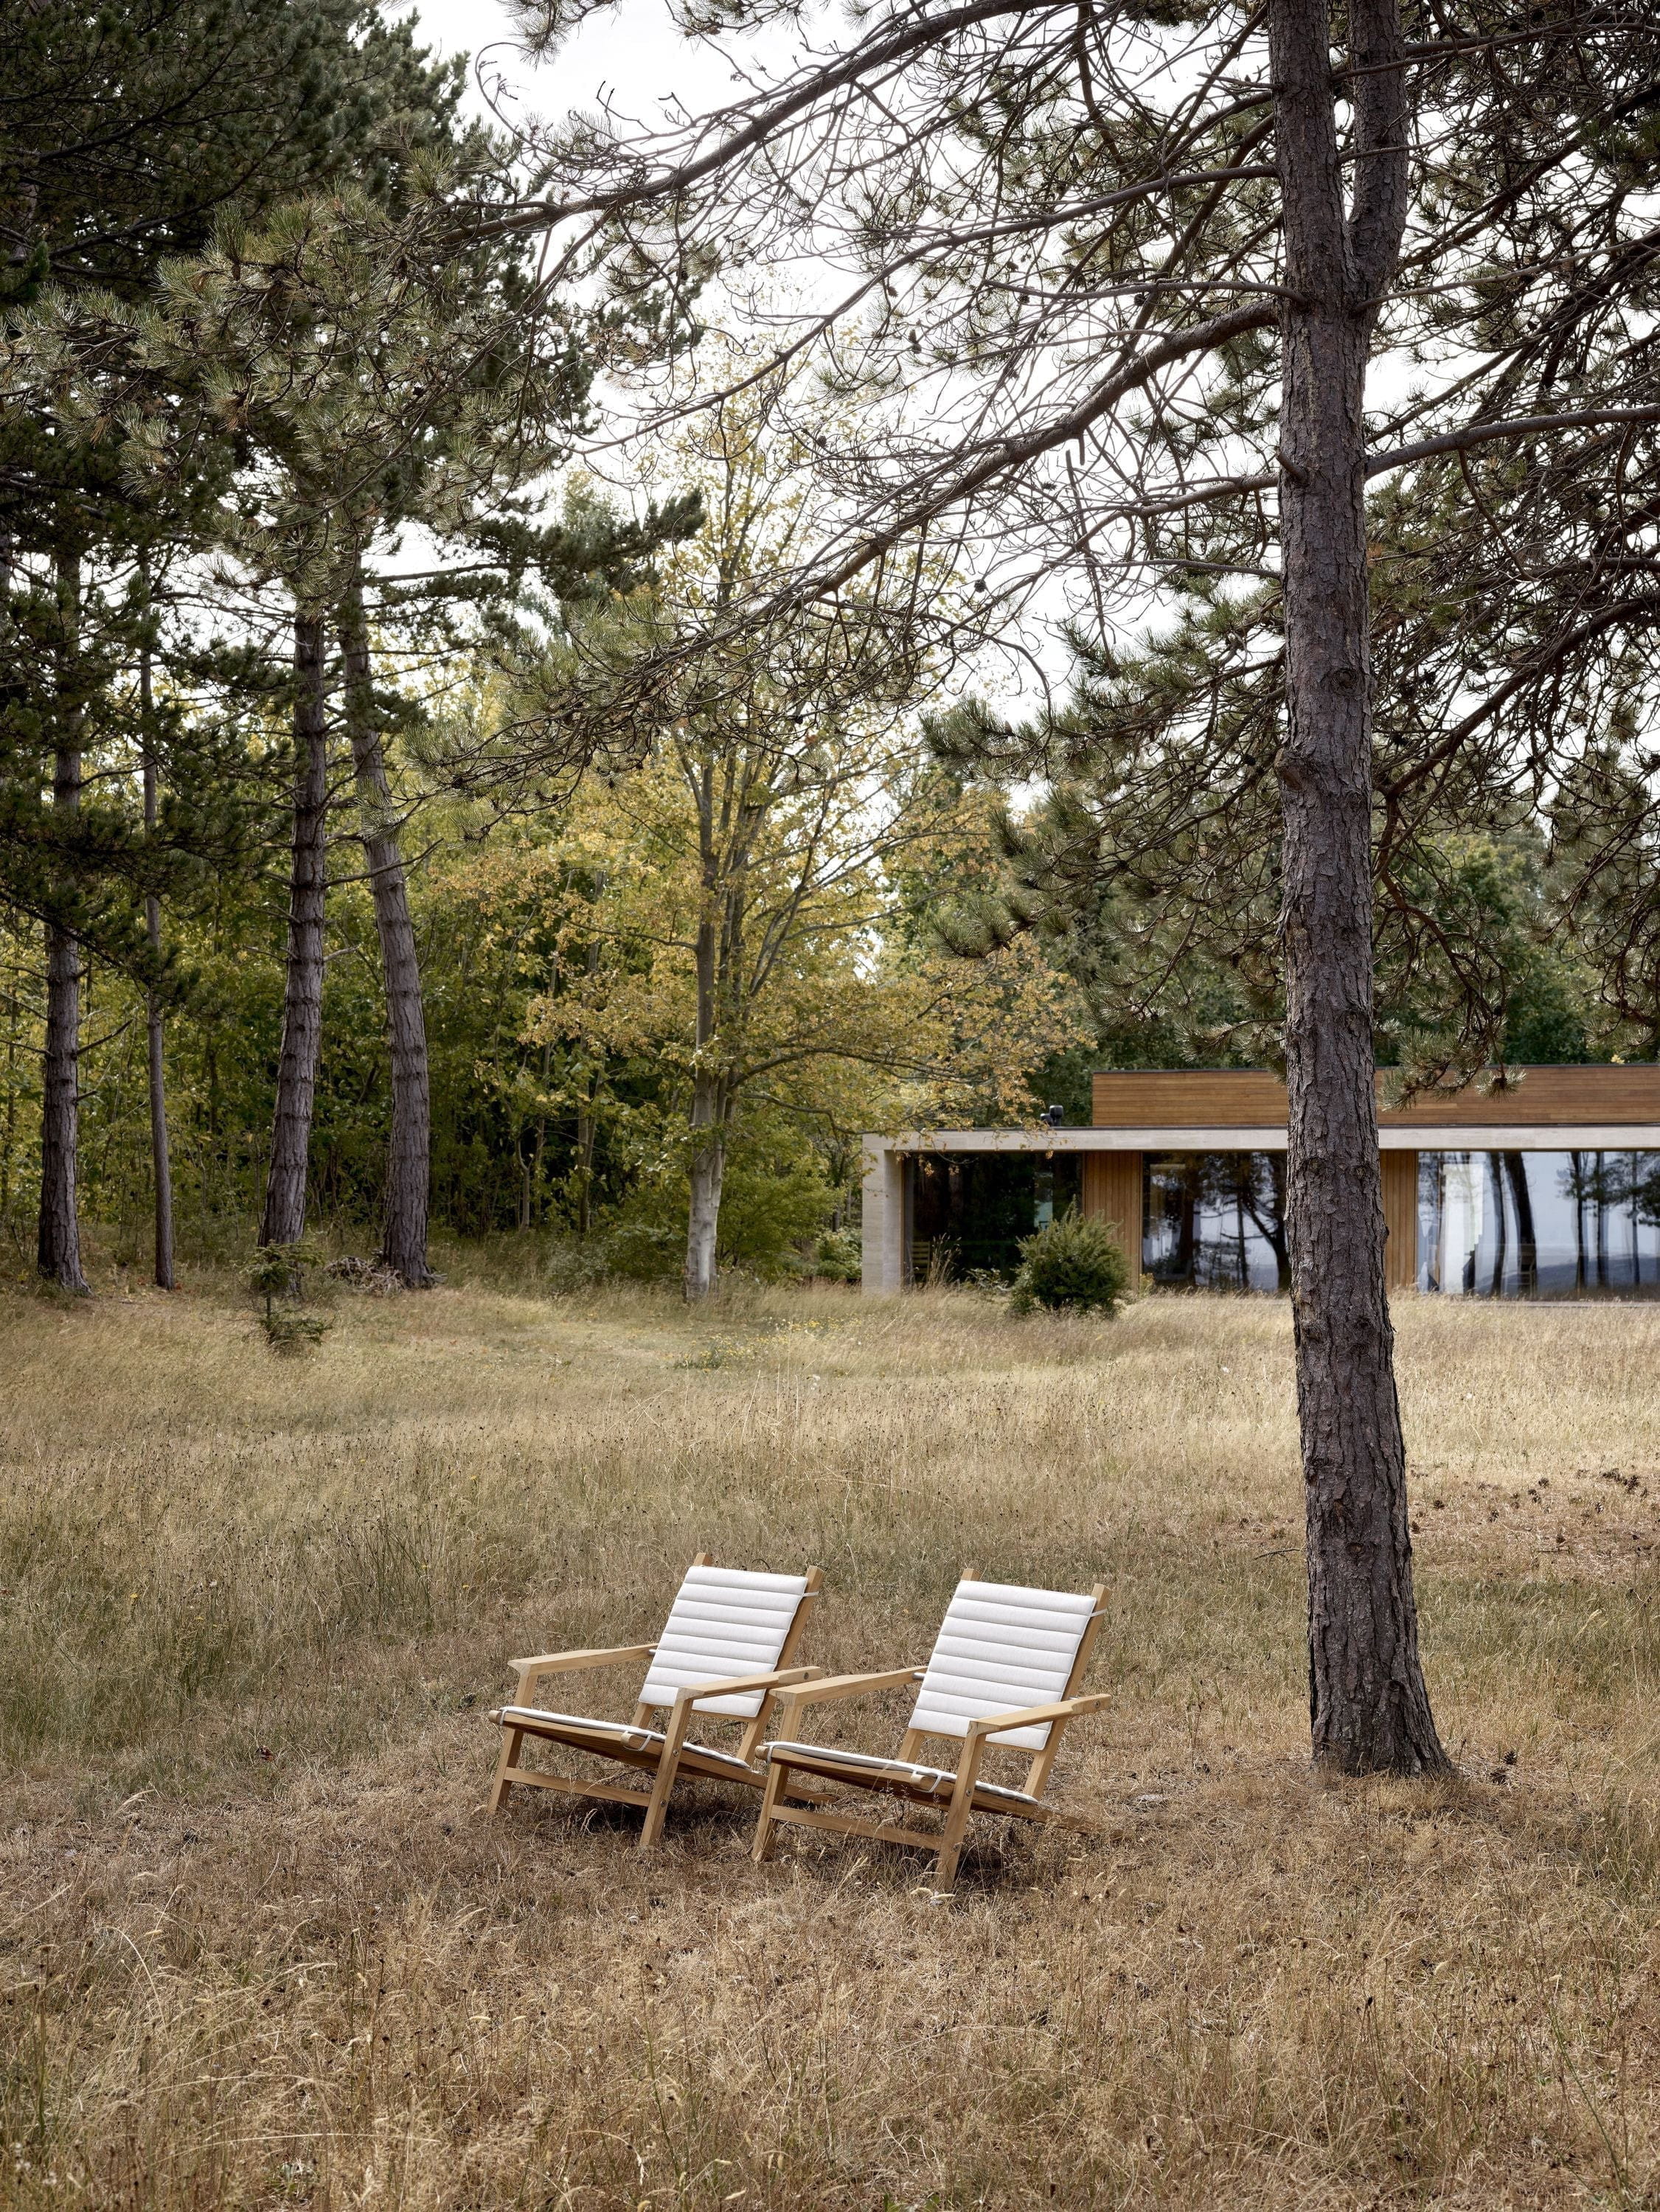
1401	1219
1111	1192
1254	1098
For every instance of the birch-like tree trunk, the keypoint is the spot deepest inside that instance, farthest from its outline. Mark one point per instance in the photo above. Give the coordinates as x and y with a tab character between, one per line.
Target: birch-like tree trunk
409	1171
1369	1706
715	957
284	1219
708	1168
58	1251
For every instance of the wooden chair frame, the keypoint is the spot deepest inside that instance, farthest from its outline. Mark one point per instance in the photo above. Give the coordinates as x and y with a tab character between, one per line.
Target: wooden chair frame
667	1760
788	1799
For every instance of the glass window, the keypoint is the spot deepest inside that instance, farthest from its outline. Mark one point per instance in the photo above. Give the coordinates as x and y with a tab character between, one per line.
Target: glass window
1518	1224
1215	1220
971	1210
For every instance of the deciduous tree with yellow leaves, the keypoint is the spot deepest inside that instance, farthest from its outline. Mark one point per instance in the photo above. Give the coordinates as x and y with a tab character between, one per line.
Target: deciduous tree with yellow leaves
735	906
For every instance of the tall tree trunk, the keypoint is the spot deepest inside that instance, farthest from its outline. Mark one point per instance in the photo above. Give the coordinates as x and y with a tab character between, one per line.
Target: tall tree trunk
709	1167
1369	1707
161	1159
58	1246
284	1219
404	1236
711	1106
587	1121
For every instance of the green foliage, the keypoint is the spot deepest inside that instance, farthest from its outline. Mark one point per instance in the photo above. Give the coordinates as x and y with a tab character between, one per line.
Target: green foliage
775	1199
291	1333
278	1271
1072	1265
837	1257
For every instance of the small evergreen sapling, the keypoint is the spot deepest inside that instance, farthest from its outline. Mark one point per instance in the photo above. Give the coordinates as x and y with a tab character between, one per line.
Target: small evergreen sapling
277	1272
1072	1265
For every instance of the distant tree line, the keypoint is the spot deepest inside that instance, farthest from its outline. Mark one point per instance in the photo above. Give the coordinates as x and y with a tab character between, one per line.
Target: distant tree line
306	909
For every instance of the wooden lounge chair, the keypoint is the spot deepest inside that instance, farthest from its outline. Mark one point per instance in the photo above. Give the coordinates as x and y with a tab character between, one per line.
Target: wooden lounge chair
1004	1674
725	1650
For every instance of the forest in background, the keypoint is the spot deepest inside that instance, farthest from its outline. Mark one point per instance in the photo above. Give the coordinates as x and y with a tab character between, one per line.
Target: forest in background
387	823
328	861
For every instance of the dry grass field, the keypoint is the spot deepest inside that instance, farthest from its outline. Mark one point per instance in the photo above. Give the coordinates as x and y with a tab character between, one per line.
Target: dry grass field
258	1945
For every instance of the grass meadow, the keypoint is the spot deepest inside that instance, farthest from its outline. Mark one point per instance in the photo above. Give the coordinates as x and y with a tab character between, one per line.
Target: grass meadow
260	1946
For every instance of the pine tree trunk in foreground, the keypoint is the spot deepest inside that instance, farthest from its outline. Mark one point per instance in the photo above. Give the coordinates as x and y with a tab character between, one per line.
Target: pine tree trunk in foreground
1369	1707
284	1219
403	1237
161	1160
58	1251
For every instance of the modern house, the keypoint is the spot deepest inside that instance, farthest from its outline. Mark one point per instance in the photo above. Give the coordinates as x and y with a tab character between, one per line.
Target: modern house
1549	1186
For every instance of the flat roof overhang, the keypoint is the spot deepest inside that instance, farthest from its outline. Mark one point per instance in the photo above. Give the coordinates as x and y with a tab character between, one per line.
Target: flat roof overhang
1427	1137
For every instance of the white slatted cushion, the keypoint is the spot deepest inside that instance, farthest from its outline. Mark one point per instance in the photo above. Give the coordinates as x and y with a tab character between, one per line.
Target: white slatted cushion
564	1726
1001	1648
725	1622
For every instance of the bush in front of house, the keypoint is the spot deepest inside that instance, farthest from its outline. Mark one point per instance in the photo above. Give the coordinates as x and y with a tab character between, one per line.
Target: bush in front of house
1071	1266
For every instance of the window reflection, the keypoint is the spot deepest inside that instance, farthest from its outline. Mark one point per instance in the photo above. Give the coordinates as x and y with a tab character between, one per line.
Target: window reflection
1215	1220
1516	1225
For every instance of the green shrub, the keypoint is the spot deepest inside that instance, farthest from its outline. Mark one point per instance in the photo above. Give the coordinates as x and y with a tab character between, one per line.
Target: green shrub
836	1257
1072	1265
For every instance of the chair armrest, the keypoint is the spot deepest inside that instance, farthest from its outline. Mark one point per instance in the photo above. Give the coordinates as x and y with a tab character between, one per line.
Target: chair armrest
572	1662
855	1686
738	1686
1065	1709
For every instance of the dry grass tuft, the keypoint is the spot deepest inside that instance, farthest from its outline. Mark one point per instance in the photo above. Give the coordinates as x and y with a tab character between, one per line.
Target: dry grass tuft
257	1947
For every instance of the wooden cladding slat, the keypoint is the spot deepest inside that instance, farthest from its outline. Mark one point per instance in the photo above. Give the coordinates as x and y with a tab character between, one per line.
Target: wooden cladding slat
1241	1098
1112	1192
1221	1098
1542	1097
1401	1217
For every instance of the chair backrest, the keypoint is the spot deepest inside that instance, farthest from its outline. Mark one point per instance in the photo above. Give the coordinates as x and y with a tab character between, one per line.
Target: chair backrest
1001	1648
725	1622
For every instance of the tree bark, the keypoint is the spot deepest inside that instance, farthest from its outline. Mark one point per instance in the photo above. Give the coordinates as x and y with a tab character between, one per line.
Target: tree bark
284	1219
709	1167
711	1095
1369	1707
58	1251
161	1160
404	1236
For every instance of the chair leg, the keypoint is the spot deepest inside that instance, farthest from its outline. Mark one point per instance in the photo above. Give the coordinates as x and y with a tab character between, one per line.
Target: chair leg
674	1737
956	1820
511	1740
765	1833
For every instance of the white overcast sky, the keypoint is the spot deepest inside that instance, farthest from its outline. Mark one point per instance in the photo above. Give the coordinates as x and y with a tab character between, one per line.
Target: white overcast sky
634	58
634	52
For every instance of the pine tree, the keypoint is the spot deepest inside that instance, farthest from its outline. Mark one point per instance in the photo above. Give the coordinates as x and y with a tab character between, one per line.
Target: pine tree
218	107
1132	308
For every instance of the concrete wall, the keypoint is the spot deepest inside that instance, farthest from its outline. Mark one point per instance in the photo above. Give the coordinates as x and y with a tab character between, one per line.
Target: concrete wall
885	1235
